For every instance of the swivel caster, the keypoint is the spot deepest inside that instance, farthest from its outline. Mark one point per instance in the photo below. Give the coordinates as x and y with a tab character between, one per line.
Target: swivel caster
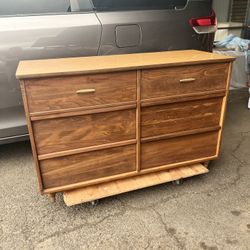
52	197
178	182
94	203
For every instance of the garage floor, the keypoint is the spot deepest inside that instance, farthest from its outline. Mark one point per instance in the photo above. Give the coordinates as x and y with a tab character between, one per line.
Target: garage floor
207	212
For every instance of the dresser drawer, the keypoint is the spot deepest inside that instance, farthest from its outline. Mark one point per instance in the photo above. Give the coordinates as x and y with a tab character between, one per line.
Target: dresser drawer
180	117
82	131
70	92
164	82
88	166
178	150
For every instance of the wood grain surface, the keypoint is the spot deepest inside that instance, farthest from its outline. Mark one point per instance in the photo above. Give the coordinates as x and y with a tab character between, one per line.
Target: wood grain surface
183	98
57	93
166	81
98	64
224	107
177	117
69	133
107	189
177	150
31	135
88	166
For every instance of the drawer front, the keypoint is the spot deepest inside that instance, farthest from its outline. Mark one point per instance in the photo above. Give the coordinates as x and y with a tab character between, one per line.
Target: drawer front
69	92
178	117
88	166
177	150
183	80
69	133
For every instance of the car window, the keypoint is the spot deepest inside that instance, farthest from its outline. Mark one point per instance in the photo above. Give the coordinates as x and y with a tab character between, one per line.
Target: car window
116	5
81	5
27	7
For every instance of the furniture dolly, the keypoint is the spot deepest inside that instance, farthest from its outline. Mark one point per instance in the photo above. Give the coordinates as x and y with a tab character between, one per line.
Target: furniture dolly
101	126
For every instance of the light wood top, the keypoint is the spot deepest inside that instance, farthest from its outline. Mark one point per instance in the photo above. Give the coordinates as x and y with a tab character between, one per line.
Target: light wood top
98	64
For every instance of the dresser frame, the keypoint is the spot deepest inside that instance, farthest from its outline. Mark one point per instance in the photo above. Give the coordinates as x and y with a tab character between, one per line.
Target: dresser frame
84	191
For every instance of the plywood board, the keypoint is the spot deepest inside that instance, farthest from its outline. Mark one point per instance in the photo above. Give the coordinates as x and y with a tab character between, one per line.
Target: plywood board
107	189
99	64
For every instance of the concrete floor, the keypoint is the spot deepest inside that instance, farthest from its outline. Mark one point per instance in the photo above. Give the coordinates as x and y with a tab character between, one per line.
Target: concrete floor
207	212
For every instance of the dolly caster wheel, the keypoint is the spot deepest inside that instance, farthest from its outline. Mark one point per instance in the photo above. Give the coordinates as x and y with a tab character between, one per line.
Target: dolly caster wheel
207	164
178	182
52	197
94	203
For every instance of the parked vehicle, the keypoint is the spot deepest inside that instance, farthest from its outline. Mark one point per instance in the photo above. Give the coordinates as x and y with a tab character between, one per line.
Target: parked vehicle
42	29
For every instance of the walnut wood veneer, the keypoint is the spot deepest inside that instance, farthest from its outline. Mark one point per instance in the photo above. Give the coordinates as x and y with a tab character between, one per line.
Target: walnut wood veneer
94	120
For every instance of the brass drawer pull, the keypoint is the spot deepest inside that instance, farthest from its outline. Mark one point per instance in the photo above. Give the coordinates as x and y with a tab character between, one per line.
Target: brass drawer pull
85	91
187	80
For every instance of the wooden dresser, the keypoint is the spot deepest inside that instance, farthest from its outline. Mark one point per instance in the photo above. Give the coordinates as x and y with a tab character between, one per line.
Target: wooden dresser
123	122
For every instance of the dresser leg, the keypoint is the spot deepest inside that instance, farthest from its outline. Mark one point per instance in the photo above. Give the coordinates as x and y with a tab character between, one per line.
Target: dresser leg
52	197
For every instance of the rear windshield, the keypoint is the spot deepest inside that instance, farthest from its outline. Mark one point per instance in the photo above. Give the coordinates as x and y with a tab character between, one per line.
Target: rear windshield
118	5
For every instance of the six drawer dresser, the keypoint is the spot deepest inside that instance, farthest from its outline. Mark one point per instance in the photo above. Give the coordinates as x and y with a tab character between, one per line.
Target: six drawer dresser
105	125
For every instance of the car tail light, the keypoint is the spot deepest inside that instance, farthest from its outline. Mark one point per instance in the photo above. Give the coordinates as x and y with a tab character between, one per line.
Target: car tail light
204	25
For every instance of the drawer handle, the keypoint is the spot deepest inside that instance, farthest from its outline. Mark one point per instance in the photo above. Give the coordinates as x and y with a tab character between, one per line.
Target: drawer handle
187	80
85	91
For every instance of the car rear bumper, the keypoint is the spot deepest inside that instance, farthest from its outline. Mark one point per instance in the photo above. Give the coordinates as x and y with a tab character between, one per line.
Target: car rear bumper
13	126
11	139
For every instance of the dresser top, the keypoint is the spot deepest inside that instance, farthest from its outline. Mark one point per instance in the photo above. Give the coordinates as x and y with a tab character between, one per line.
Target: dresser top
99	64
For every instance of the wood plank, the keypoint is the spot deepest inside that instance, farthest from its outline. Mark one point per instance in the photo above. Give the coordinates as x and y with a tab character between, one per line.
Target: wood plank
84	131
86	65
88	166
183	98
103	190
180	117
86	149
163	82
223	110
89	183
80	111
31	136
178	164
72	92
138	123
180	134
176	150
